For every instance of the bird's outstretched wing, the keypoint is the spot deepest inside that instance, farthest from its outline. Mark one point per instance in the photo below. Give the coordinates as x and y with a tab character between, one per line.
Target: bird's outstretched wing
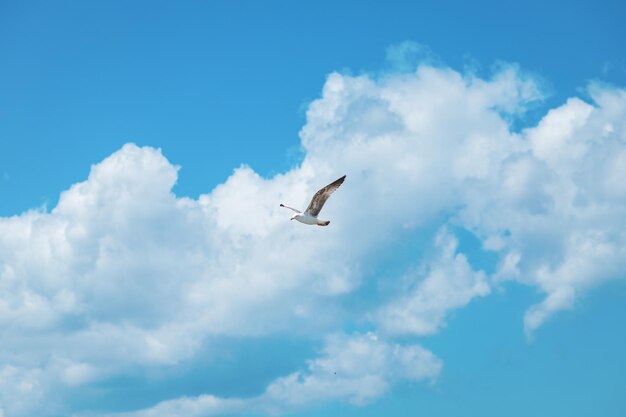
291	208
320	197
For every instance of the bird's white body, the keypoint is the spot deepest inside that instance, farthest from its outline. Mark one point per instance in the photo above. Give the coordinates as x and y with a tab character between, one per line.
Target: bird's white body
308	219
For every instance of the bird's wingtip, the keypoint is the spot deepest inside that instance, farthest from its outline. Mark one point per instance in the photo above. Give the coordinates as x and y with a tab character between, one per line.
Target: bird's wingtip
282	205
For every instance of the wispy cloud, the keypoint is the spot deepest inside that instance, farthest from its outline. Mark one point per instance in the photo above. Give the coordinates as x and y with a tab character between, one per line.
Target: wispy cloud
358	369
449	283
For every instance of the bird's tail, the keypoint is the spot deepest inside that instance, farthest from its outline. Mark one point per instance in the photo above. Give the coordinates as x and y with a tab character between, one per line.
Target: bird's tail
323	223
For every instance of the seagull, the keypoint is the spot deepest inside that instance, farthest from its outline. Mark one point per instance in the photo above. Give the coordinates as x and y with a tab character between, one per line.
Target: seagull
315	206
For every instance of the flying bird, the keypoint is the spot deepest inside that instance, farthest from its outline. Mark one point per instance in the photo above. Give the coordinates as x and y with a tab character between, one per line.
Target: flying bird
315	206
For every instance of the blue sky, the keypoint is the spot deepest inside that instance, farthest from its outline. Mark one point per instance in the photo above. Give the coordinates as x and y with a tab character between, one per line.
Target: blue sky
145	266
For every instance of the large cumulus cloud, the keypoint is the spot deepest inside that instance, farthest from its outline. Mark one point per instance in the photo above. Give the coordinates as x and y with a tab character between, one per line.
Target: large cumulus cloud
123	274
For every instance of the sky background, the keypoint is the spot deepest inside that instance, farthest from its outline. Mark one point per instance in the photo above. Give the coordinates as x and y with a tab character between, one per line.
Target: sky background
474	261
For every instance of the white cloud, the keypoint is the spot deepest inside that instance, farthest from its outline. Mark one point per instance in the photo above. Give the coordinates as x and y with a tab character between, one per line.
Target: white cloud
554	139
23	391
357	368
123	274
556	209
449	283
405	56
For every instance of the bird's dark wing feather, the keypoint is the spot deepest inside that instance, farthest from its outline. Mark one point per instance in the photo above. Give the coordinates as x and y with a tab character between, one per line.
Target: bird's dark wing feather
320	197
